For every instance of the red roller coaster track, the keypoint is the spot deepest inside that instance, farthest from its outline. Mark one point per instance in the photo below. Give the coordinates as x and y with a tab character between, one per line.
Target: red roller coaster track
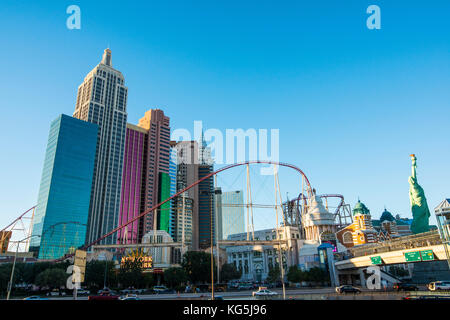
309	190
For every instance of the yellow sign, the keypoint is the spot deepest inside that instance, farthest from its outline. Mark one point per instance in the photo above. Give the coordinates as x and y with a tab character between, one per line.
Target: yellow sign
80	262
147	261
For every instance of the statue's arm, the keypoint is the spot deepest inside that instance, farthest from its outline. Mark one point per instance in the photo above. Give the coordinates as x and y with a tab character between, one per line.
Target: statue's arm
413	168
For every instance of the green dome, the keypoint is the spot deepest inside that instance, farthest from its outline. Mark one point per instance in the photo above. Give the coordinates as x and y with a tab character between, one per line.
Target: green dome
360	208
386	215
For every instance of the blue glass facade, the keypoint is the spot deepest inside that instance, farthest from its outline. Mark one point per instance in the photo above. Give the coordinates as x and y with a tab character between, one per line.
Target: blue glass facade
232	220
63	203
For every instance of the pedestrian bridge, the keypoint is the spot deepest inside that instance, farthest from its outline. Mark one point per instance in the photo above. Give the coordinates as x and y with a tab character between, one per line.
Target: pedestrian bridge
422	247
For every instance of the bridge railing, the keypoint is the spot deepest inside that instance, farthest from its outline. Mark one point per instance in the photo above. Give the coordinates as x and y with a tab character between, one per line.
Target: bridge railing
429	238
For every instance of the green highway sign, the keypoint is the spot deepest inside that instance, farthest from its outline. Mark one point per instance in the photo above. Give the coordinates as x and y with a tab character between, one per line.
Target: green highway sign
427	255
413	256
376	260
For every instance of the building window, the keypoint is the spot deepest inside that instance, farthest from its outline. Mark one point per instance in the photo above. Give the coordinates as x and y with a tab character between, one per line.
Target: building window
347	237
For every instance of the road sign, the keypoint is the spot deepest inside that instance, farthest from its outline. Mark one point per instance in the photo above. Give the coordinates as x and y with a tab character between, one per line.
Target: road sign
80	262
427	255
376	260
413	256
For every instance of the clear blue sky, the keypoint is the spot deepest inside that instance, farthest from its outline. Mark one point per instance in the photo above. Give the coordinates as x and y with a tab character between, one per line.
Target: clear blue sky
351	103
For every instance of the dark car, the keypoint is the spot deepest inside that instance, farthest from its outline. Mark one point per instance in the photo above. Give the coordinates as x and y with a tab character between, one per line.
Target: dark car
347	289
405	287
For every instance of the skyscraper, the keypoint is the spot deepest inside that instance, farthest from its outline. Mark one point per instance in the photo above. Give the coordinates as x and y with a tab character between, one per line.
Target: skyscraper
206	206
194	163
231	215
102	99
173	189
61	216
134	168
156	180
146	179
187	174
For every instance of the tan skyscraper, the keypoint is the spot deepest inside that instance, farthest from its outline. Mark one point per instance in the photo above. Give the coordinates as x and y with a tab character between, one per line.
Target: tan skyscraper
102	99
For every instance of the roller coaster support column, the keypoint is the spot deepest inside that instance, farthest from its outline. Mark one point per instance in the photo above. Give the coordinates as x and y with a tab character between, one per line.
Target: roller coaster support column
10	284
280	256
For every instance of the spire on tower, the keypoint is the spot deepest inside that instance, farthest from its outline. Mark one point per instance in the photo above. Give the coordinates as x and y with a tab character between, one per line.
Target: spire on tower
106	59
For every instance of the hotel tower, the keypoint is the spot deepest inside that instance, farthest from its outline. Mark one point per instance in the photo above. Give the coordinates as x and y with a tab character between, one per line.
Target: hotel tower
102	99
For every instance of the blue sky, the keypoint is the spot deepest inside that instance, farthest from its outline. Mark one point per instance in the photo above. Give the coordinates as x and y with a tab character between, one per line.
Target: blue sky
351	103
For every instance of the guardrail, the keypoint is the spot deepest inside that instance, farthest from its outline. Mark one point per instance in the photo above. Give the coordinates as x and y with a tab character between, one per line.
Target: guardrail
425	239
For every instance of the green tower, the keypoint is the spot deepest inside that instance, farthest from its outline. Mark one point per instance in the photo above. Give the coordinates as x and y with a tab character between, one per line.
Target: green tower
419	206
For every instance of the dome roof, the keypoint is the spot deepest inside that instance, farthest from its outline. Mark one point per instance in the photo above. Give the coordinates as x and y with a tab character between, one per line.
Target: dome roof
360	208
386	215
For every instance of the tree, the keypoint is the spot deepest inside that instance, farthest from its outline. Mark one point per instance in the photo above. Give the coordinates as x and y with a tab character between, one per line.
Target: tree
197	266
53	278
274	274
229	272
293	274
5	273
175	277
317	274
95	274
130	273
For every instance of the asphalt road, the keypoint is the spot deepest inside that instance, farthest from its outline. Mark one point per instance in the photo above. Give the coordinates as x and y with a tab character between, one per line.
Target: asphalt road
315	293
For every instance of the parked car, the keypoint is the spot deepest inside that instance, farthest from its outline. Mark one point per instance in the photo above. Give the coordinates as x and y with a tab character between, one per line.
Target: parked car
245	286
263	291
104	294
83	292
34	298
439	285
56	293
129	297
162	289
405	287
347	289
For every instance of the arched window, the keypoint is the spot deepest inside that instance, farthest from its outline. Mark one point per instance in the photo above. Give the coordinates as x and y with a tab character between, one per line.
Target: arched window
347	237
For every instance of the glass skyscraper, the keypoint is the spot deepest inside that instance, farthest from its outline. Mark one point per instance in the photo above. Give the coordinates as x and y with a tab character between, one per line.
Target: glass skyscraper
62	210
102	99
232	215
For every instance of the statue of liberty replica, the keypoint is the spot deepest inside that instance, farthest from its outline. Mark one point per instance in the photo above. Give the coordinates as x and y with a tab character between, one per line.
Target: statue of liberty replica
419	206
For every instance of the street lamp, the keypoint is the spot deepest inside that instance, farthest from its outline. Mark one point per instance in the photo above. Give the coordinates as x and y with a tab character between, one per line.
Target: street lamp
14	264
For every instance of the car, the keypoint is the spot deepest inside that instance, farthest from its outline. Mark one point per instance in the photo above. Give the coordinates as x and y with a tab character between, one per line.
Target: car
130	297
83	292
162	289
158	289
34	298
56	293
104	294
347	289
405	287
263	291
439	285
245	286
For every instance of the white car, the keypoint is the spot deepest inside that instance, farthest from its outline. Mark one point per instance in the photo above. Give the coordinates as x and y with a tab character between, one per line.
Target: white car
264	292
439	285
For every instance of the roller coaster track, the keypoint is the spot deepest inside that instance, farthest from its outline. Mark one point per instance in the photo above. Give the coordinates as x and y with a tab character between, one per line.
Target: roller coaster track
308	188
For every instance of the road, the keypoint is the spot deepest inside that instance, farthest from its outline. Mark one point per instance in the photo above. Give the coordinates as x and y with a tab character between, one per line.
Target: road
296	294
